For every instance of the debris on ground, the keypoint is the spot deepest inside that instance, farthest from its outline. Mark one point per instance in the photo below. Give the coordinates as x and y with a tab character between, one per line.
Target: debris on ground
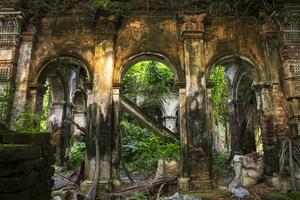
248	171
240	192
178	196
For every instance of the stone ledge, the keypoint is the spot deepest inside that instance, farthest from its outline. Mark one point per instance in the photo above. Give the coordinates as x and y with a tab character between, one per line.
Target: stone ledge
10	137
15	184
15	152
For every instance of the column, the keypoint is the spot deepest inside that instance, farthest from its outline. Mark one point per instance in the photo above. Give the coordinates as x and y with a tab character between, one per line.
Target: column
23	65
268	131
116	142
10	30
184	154
99	153
192	29
36	96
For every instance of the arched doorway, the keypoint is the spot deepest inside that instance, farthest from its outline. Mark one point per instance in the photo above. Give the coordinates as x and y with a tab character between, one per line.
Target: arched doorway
64	78
234	119
150	90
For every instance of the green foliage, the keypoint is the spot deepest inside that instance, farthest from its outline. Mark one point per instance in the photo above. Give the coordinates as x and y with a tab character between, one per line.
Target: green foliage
76	156
29	121
6	98
139	196
33	122
142	149
219	163
219	94
151	79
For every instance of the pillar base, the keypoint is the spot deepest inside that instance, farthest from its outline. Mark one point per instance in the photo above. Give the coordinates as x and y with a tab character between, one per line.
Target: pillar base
103	189
183	184
200	186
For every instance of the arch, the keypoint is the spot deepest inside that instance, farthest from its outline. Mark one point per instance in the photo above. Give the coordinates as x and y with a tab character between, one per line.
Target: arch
149	56
63	59
230	58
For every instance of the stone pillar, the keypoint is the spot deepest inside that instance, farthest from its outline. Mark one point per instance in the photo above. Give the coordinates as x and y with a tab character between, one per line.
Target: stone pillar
36	96
170	123
25	53
10	34
210	120
184	152
101	111
234	128
67	126
192	29
269	139
55	115
116	143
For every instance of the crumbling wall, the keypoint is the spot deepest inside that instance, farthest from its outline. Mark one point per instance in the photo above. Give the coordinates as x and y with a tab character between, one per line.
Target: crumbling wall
26	166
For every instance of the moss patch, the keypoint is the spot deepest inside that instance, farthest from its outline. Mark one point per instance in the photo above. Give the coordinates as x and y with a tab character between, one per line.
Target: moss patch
275	196
294	195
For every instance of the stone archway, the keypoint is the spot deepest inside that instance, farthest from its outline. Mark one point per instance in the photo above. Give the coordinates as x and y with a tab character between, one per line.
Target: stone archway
118	100
244	78
66	77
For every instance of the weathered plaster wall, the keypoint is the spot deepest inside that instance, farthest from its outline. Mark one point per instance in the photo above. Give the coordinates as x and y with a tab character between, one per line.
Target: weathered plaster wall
64	36
147	34
241	37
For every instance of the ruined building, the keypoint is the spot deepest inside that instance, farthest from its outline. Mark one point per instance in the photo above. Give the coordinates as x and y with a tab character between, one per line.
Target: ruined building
82	54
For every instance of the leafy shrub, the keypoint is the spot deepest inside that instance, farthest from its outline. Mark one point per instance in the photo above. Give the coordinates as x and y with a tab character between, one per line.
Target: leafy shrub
76	156
32	122
142	149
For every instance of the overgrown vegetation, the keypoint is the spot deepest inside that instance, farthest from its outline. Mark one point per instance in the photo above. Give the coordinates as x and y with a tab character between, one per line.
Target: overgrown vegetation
76	156
142	149
33	122
219	100
151	79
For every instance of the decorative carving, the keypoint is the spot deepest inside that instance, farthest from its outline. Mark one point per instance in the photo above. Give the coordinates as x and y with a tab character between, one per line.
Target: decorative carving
10	28
288	24
192	22
295	69
288	21
10	22
297	88
5	71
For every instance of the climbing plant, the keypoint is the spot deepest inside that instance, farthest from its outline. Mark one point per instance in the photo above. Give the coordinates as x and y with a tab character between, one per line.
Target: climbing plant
219	98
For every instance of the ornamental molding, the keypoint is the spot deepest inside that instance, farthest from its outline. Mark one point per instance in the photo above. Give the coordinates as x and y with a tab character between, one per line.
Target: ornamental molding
288	21
290	61
10	28
192	23
11	22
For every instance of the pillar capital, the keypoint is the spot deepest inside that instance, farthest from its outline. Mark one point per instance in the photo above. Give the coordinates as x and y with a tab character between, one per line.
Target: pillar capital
192	25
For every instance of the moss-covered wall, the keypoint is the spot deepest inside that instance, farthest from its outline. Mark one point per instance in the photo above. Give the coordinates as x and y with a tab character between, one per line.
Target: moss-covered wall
26	166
